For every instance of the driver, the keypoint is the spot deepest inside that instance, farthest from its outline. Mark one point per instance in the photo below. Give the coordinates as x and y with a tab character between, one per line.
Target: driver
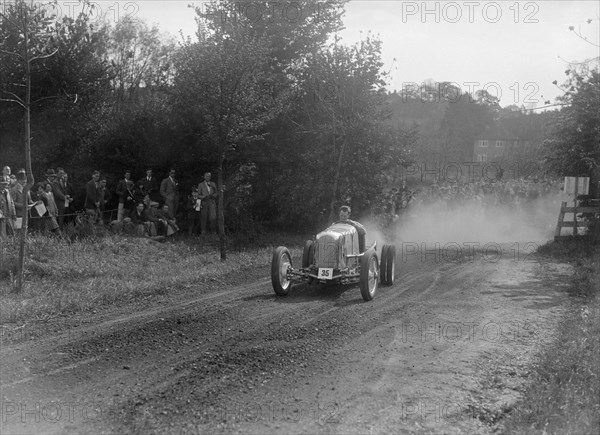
345	218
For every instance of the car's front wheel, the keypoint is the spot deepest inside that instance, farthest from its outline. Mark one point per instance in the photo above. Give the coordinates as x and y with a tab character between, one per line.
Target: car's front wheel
280	264
369	274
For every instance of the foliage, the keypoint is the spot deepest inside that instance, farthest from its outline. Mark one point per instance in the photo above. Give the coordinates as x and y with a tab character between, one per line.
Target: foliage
573	144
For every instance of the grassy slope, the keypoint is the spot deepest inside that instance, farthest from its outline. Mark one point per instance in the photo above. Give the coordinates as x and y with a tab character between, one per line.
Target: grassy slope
64	277
564	395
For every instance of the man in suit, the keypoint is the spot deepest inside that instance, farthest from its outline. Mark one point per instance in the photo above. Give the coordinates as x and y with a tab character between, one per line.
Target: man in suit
125	198
7	210
149	186
92	196
169	190
61	195
208	195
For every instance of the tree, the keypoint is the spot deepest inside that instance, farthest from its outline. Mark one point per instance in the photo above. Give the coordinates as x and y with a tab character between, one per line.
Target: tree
574	143
25	37
220	86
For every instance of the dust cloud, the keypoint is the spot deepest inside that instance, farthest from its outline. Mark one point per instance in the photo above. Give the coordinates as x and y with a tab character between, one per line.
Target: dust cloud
474	222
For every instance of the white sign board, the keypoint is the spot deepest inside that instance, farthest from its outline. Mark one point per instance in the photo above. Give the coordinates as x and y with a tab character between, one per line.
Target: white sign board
583	185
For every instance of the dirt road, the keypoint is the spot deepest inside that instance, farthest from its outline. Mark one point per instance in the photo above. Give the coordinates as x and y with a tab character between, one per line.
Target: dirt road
447	349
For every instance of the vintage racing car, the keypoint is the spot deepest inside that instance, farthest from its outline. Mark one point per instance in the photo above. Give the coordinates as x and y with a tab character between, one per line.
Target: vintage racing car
334	257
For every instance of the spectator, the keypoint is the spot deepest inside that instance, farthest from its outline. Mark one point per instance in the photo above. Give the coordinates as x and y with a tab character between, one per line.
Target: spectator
18	196
5	173
41	218
194	207
61	196
156	218
139	218
149	186
170	219
7	209
69	195
169	190
104	197
92	197
126	199
50	177
208	194
51	206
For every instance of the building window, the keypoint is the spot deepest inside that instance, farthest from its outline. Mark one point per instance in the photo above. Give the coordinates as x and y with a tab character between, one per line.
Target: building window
483	143
481	157
499	143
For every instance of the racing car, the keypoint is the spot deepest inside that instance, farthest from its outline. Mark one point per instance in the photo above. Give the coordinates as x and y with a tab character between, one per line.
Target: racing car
334	256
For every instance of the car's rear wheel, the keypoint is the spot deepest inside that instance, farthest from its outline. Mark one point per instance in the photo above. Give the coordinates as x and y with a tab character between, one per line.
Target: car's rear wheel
390	266
282	261
308	253
369	275
383	264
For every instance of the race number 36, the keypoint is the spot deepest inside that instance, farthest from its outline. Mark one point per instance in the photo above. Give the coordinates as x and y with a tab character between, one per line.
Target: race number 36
325	273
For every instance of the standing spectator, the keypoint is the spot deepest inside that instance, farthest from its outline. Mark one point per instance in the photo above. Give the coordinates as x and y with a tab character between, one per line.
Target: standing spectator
169	190
69	194
59	188
149	186
17	195
51	206
50	177
208	194
194	206
92	196
5	173
125	200
7	210
104	196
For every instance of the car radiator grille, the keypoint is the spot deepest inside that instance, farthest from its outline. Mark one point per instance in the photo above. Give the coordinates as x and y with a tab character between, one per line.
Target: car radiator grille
327	252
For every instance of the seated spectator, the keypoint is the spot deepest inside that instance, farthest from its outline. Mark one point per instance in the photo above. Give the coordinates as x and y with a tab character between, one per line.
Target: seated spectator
140	221
156	218
172	227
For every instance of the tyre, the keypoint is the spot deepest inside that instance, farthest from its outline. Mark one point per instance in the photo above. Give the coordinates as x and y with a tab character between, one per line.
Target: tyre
383	264
308	253
369	275
282	260
390	271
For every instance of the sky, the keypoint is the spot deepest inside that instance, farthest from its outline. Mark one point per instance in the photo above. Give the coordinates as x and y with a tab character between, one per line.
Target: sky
513	49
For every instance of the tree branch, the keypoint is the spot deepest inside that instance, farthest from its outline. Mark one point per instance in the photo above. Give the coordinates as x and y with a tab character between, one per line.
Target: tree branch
9	100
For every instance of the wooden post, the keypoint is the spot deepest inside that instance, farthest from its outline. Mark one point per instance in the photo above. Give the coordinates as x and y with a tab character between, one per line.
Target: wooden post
561	217
575	205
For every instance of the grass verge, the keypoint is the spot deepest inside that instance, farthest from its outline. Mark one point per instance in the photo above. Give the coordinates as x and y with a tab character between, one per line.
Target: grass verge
65	277
564	395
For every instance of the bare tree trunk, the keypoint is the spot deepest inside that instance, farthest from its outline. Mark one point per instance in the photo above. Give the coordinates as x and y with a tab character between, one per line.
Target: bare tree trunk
220	211
29	172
